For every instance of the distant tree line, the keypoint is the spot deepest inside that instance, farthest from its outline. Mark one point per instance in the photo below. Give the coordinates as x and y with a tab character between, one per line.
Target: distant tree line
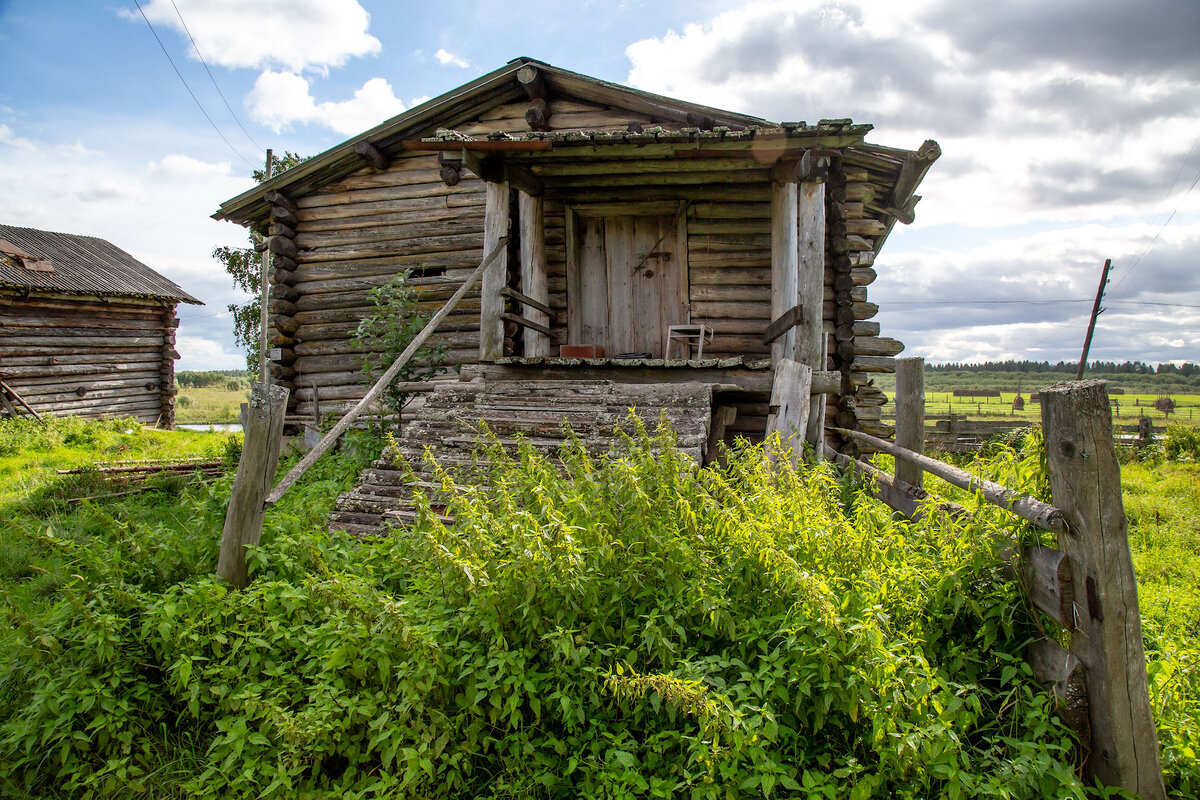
232	379
1186	370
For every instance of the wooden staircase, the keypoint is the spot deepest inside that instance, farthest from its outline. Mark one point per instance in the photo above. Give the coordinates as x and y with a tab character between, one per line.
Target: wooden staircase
448	428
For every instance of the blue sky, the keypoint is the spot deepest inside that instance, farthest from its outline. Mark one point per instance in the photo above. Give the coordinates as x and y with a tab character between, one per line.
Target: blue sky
1069	132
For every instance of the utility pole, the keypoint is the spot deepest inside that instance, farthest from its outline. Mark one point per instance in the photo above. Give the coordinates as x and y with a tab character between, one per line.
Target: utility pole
263	292
1096	309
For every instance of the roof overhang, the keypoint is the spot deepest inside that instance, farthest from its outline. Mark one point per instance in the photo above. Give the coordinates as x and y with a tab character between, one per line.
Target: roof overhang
458	105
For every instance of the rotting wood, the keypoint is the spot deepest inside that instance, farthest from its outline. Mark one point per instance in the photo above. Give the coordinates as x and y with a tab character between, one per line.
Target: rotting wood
1085	481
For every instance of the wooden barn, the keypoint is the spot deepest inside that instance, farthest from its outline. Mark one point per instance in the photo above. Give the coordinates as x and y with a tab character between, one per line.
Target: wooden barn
85	329
643	241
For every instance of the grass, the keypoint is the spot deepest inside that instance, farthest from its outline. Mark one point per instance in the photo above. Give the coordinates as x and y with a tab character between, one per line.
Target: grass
214	404
1127	408
634	596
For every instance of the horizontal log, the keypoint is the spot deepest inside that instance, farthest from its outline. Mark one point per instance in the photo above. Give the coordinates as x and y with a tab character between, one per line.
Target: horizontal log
459	224
876	346
469	194
88	339
284	216
434	188
1043	515
730	276
100	361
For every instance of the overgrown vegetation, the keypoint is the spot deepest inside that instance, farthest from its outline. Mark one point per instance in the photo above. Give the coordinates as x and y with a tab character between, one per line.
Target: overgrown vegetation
384	334
633	628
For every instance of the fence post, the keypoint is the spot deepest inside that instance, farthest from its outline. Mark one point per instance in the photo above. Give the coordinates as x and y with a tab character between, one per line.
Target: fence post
255	475
910	417
1085	480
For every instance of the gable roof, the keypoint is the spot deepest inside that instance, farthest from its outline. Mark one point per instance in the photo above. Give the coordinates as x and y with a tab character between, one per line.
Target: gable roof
457	105
73	264
894	172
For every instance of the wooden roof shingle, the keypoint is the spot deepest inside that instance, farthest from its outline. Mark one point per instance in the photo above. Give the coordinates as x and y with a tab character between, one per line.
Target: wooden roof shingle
82	265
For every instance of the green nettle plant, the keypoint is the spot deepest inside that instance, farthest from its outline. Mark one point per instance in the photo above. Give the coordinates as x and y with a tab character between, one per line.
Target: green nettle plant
624	627
388	331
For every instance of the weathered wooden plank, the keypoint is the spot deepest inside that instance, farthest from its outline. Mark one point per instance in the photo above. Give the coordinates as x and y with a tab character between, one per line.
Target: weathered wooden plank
1085	480
910	417
537	336
256	470
791	400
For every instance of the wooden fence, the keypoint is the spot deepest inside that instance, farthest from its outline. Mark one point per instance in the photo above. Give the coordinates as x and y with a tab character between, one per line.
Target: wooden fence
955	433
1086	584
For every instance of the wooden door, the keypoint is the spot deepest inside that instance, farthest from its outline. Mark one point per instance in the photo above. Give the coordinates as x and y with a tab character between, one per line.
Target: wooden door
626	283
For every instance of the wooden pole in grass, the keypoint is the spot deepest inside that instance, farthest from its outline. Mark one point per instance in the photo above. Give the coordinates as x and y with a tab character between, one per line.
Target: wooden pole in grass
1085	479
255	473
910	417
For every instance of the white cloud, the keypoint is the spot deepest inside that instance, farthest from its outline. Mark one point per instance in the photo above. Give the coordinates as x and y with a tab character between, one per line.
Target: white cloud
446	57
295	34
198	353
157	211
279	99
1052	133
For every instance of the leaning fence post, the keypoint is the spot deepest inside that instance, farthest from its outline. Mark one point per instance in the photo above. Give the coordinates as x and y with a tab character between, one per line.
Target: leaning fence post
255	475
910	417
1085	480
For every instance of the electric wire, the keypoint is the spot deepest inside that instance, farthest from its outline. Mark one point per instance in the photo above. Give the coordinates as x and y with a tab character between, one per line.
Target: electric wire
200	55
189	88
1133	268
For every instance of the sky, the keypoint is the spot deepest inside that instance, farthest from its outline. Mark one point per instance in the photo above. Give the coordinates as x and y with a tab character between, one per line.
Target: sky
1070	134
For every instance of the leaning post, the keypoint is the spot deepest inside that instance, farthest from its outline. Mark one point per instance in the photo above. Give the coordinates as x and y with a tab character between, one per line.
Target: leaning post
255	476
1085	480
910	417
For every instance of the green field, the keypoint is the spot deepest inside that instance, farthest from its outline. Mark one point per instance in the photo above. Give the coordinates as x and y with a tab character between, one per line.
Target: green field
641	629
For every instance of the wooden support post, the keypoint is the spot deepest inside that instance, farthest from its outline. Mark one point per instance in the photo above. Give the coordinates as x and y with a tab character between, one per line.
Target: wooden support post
910	417
255	474
533	271
810	284
1086	483
784	262
495	277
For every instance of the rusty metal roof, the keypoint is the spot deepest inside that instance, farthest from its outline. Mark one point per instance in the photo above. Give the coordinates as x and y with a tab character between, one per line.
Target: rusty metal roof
79	265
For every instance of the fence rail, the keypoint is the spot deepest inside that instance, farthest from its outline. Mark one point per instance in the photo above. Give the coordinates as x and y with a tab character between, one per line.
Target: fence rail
1086	584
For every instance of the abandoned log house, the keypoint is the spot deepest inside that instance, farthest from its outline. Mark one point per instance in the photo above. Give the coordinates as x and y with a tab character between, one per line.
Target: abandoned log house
644	252
85	329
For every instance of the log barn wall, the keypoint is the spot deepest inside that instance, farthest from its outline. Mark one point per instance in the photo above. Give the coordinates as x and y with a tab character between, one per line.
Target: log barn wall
91	358
376	206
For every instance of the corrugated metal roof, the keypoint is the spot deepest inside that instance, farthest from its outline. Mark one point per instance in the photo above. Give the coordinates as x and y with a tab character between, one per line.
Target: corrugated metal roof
83	265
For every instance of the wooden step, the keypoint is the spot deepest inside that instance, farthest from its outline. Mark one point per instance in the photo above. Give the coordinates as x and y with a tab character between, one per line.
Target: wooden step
535	413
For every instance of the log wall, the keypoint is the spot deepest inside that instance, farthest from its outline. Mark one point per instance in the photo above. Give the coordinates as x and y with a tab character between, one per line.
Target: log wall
90	357
419	213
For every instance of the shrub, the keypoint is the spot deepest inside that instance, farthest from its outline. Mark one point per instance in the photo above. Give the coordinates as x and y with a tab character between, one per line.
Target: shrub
635	627
1182	443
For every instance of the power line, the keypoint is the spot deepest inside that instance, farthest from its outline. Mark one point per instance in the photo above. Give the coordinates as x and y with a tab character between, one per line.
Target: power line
1138	261
189	88
211	78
